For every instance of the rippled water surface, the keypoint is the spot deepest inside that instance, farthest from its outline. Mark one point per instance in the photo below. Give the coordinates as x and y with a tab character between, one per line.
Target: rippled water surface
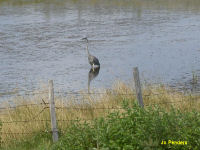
41	41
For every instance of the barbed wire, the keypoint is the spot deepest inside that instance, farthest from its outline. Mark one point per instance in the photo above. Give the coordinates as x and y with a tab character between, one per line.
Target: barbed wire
8	133
96	93
79	108
73	120
164	103
24	121
25	105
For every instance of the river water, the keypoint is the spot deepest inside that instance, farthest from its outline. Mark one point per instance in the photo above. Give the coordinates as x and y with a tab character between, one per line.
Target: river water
42	40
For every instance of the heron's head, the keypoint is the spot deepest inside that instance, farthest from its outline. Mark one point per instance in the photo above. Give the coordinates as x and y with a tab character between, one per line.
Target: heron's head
85	39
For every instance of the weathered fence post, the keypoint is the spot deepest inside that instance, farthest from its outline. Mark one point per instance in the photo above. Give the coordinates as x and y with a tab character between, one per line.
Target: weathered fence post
52	112
138	86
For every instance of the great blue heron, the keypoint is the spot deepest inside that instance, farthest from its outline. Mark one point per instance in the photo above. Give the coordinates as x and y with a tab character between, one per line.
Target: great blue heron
94	62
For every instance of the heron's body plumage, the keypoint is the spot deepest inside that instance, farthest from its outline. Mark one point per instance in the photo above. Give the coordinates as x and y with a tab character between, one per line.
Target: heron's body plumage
93	60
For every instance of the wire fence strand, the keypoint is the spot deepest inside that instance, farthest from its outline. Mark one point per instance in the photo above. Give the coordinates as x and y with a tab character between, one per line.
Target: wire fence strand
25	121
25	105
89	108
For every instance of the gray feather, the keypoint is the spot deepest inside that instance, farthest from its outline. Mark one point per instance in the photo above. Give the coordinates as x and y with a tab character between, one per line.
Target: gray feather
93	60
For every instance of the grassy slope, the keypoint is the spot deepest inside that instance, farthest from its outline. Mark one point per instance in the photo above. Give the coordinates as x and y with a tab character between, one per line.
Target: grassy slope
40	137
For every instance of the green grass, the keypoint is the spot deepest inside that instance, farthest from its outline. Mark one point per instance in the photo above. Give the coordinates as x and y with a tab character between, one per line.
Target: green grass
135	128
38	141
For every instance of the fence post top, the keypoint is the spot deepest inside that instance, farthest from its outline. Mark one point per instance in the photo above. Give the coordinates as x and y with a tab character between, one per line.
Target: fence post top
50	81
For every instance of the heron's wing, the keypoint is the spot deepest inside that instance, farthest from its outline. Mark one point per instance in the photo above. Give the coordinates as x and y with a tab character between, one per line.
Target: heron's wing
93	60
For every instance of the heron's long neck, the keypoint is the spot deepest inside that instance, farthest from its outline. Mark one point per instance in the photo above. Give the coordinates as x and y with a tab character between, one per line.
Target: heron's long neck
87	50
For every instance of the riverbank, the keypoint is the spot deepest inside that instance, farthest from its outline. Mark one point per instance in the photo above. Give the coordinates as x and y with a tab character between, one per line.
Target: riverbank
27	125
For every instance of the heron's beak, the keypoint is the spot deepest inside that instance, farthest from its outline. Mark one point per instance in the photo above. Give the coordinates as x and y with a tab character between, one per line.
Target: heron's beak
85	39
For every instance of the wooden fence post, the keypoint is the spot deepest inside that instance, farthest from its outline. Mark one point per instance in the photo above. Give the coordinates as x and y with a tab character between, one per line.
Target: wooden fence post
52	112
138	86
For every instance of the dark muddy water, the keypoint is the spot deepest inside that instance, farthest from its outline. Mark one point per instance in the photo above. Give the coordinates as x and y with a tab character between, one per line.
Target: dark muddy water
41	41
